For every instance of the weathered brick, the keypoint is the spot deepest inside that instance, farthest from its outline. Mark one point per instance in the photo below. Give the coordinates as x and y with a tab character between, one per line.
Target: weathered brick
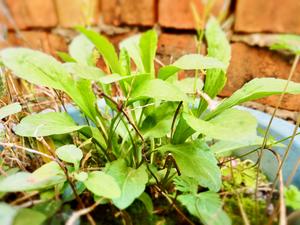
248	63
178	14
267	16
129	12
110	11
172	46
31	13
77	12
49	43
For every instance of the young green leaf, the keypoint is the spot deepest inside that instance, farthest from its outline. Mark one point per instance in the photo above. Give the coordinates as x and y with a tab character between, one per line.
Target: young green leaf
190	62
27	216
48	175
206	206
147	201
186	85
83	71
255	89
70	154
105	48
10	109
102	184
46	124
292	197
158	123
7	213
231	125
287	42
36	67
65	57
116	77
148	45
218	48
131	181
159	90
195	160
131	45
81	49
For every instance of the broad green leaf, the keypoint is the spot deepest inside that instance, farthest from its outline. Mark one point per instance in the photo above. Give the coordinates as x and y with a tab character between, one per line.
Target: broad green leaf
182	131
36	67
148	45
102	184
255	89
190	62
131	45
7	213
41	69
81	176
83	71
132	182
186	85
159	90
46	124
218	48
231	125
81	49
198	62
65	57
10	109
82	94
186	184
27	216
292	197
206	206
70	154
116	77
125	62
105	48
158	123
287	42
197	161
48	175
147	201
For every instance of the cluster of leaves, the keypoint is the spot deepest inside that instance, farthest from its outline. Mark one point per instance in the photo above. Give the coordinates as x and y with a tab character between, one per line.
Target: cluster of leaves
146	128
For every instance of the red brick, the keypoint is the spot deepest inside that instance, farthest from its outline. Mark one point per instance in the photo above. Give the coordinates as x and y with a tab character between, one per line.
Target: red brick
49	43
178	14
267	16
129	12
77	12
110	10
248	63
32	13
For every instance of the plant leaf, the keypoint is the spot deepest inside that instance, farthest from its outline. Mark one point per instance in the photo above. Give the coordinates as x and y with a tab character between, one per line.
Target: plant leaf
81	49
27	216
186	85
207	207
148	45
47	175
46	124
83	71
102	184
231	125
105	48
36	67
190	62
7	213
218	48
159	90
10	109
131	181
131	45
195	160
287	42
69	153
255	89
147	201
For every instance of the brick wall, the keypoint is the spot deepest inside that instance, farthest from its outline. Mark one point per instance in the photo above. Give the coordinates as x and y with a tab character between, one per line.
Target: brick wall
46	25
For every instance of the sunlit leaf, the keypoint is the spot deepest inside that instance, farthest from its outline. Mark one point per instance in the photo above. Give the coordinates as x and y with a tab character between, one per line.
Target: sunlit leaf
10	110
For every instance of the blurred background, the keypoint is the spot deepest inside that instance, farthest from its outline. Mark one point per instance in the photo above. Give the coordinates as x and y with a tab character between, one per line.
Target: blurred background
250	25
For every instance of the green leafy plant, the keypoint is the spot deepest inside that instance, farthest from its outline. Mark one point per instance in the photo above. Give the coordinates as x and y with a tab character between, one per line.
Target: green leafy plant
149	135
